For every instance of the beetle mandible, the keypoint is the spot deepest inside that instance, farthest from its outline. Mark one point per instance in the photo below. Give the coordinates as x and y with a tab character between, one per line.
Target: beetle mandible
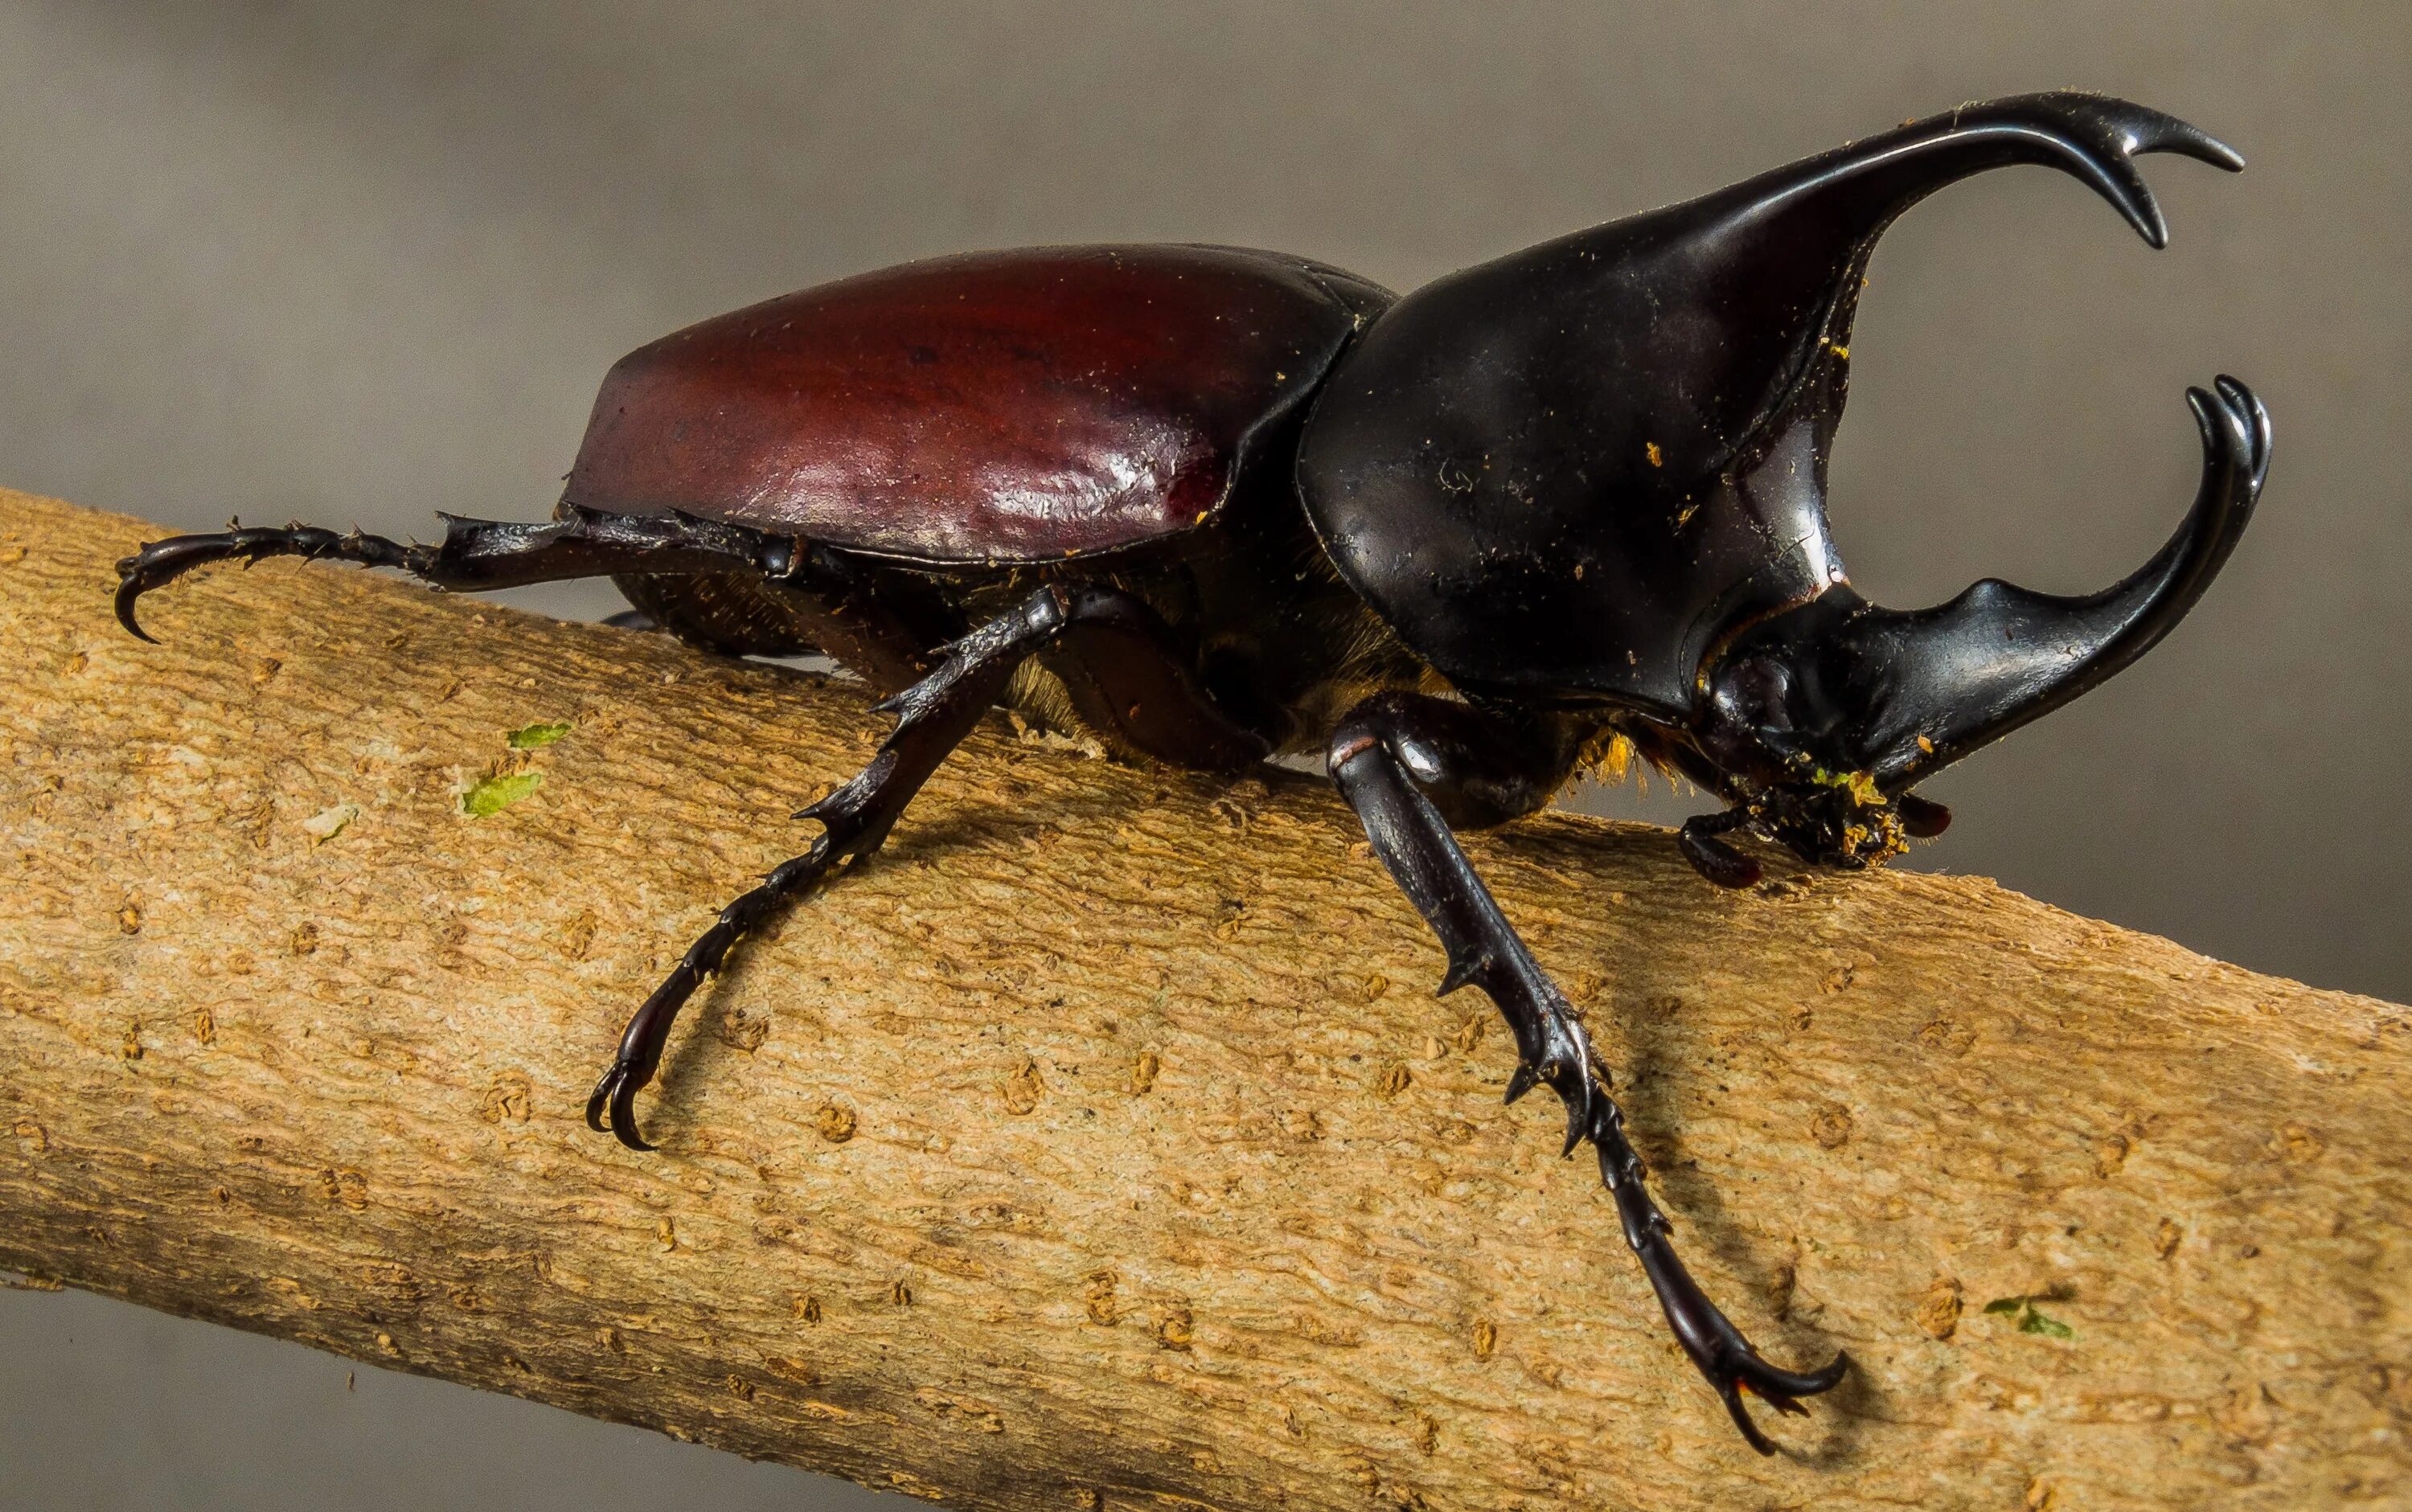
1210	505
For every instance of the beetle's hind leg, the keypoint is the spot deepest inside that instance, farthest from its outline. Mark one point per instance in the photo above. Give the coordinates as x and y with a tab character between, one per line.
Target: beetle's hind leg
478	553
1126	653
1401	760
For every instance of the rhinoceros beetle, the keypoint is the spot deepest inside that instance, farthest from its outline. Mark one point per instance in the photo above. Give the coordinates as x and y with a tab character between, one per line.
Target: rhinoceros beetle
1210	505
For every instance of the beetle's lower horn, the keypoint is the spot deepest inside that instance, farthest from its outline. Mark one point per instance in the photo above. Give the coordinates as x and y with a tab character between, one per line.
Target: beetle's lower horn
1942	681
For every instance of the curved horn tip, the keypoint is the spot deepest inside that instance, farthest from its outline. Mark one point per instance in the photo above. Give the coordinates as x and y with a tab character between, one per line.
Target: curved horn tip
2235	432
2248	406
2150	225
2143	129
2127	131
2205	147
2229	405
2229	442
2110	167
2168	134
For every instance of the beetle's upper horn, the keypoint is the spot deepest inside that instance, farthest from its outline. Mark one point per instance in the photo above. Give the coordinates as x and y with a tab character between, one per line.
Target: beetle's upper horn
1859	188
1933	684
1771	265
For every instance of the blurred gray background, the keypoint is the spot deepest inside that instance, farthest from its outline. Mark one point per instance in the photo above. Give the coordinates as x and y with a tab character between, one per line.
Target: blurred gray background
349	262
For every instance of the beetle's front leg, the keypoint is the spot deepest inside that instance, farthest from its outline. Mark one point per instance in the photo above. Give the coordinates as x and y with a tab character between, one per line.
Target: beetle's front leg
1400	760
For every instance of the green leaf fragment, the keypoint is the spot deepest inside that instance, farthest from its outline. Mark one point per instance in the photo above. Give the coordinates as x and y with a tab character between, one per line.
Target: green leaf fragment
534	737
2030	1320
490	796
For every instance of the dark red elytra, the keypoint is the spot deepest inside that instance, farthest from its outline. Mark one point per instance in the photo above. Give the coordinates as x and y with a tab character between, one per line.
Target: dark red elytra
1000	407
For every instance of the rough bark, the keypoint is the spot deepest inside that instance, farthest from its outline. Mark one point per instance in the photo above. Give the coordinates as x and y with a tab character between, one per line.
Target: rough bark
1101	1144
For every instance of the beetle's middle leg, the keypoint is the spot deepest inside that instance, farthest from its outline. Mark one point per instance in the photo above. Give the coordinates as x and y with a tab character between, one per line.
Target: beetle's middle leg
1409	765
1129	663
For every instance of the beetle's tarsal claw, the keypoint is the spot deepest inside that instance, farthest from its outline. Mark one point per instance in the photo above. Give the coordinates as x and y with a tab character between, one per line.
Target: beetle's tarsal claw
615	1096
647	1036
128	590
1724	1358
1750	1432
159	563
1757	1377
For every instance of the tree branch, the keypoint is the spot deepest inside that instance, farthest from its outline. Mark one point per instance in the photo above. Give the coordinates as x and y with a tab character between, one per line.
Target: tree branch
1101	1143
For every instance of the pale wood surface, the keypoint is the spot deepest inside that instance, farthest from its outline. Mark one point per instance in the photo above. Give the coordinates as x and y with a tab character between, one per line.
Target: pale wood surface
1101	1144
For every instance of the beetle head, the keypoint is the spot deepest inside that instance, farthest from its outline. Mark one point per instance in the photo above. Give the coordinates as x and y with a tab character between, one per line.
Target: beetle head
1593	472
1823	715
1772	729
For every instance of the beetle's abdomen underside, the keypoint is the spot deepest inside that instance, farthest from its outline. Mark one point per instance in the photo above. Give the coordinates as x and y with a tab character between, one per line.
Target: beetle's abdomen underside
1001	406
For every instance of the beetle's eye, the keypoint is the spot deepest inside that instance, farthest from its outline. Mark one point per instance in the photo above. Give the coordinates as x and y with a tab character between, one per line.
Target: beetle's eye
1756	692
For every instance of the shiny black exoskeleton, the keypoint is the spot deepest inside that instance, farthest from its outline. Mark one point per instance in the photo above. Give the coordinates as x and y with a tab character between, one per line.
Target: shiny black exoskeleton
1210	504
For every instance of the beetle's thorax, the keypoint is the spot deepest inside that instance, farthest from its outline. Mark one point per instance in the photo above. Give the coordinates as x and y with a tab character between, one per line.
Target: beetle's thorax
1592	474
